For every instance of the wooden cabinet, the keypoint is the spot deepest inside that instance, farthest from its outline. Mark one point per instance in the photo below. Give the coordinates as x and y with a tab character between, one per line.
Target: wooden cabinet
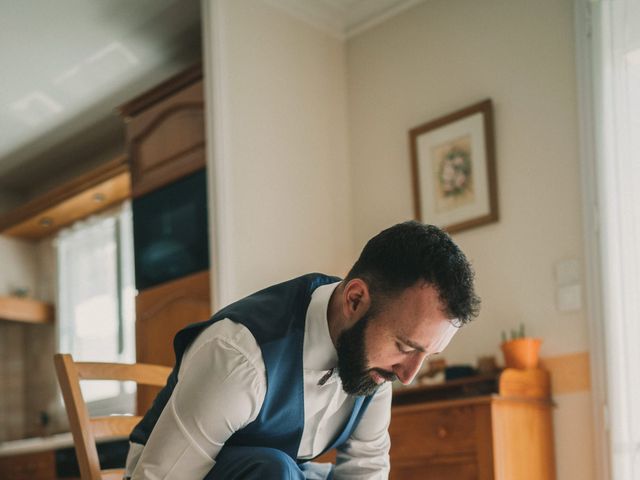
165	132
160	312
88	194
503	436
166	142
461	468
29	466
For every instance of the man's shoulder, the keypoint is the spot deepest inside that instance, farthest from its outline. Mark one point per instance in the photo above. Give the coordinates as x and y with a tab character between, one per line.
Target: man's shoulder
232	337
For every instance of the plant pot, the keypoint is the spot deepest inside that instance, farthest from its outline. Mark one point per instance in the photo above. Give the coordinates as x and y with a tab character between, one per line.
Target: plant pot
521	353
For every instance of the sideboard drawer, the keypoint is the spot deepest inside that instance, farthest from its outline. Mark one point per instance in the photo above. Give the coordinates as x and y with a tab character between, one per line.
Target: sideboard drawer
426	433
452	468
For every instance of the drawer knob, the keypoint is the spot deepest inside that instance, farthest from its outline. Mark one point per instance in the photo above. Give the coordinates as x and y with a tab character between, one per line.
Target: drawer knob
441	432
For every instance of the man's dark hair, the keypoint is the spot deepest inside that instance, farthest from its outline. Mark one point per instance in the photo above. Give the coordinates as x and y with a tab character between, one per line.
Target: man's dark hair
403	254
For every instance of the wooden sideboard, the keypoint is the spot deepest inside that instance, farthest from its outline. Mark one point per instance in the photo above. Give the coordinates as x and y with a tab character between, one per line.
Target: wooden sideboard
496	427
477	439
504	435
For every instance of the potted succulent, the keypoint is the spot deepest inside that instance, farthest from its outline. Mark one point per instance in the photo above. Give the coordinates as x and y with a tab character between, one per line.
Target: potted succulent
520	351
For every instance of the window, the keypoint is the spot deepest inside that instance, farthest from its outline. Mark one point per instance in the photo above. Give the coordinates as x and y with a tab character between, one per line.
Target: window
96	295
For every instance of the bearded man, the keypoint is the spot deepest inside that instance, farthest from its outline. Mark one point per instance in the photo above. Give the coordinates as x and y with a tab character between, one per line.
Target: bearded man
276	379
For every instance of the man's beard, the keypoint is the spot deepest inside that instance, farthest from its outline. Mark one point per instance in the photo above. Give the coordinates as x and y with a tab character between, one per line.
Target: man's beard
352	360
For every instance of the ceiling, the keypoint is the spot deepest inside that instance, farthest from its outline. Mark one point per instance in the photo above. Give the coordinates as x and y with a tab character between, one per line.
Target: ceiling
344	18
68	64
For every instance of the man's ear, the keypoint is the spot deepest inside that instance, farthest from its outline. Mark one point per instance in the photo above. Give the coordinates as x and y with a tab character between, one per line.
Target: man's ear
357	299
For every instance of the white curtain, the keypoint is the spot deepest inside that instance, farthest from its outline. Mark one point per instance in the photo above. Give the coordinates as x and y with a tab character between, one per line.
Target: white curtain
616	67
96	294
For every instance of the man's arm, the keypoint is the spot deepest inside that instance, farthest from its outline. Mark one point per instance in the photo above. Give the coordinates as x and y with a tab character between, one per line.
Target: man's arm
221	388
365	456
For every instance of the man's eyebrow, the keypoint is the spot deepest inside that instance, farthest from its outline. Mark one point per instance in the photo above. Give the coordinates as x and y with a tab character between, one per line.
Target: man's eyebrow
412	344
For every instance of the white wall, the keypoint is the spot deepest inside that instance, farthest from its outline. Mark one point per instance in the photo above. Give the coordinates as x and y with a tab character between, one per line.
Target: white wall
437	58
445	55
284	201
280	173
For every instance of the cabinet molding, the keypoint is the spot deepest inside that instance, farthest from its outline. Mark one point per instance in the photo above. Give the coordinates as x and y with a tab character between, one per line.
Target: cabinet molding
93	192
165	132
160	92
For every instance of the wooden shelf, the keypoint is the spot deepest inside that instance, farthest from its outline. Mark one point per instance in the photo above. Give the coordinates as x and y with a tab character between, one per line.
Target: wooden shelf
26	310
90	193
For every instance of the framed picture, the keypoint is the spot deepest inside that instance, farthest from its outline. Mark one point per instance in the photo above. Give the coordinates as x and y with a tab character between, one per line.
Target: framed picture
454	170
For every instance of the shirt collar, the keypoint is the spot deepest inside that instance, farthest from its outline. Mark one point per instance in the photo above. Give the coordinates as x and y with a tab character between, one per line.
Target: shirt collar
319	352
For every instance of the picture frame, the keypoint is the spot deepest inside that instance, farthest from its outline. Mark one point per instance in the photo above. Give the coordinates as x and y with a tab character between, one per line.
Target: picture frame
454	169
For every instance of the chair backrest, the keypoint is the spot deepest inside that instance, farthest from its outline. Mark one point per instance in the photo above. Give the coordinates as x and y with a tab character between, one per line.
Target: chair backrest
86	430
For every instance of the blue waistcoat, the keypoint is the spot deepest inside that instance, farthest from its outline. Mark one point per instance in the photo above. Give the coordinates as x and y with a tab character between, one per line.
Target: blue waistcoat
276	318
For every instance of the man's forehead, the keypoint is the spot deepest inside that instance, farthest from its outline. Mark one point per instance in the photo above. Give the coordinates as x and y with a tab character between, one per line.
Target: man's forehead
431	338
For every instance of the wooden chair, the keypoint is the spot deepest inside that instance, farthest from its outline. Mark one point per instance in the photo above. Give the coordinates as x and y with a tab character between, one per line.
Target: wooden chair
87	430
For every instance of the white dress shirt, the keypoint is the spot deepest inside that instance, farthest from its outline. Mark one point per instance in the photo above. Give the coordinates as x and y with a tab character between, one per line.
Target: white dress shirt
221	388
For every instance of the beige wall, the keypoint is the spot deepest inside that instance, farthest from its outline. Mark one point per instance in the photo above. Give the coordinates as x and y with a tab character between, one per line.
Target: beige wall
299	197
444	55
281	84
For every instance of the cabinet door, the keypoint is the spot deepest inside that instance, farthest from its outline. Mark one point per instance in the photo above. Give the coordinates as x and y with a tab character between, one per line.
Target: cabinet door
160	312
523	438
167	140
29	466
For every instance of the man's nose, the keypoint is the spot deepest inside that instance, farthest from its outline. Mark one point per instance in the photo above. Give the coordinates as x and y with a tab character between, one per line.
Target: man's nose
407	370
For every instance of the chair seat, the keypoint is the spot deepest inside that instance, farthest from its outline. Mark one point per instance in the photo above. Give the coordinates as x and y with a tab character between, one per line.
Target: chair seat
112	474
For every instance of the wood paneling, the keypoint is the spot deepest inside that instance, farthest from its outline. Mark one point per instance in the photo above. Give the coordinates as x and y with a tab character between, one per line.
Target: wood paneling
160	312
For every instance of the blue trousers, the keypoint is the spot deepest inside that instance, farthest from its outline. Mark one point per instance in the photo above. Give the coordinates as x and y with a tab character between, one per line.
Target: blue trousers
261	463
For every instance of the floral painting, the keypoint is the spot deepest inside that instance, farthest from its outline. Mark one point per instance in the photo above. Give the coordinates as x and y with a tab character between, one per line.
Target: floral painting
454	172
453	162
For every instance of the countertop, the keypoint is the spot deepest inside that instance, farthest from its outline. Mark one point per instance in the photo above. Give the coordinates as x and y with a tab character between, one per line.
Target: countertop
40	444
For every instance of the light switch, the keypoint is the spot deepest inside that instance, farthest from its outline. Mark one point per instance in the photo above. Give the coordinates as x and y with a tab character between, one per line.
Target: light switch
569	298
568	272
